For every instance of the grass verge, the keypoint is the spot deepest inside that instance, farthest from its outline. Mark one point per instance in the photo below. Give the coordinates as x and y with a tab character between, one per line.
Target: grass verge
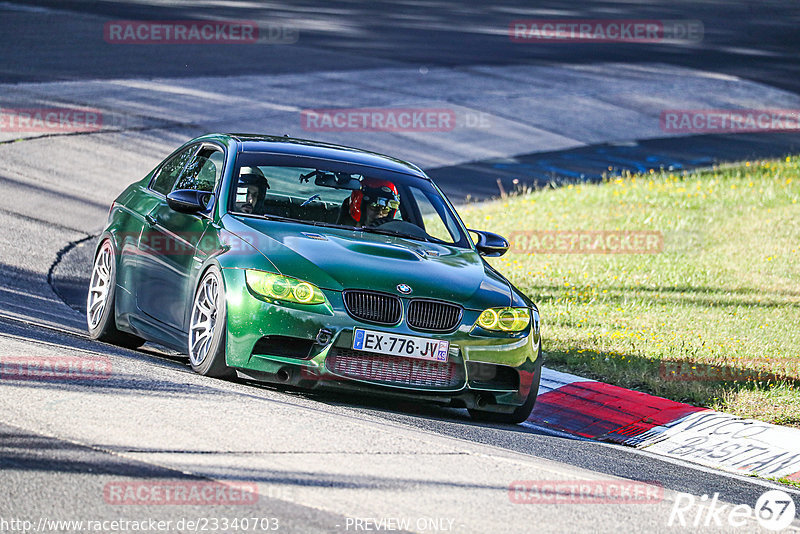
788	482
711	318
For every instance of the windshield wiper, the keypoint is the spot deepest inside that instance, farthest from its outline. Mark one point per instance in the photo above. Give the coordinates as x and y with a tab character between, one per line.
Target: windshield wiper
264	216
332	225
391	232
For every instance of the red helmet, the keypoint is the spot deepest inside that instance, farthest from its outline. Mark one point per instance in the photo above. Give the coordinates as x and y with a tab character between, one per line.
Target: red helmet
373	191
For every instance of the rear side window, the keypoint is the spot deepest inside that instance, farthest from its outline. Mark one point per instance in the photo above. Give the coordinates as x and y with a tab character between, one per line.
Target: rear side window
169	172
203	172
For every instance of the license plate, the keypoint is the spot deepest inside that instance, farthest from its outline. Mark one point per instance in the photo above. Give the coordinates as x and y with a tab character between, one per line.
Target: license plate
420	348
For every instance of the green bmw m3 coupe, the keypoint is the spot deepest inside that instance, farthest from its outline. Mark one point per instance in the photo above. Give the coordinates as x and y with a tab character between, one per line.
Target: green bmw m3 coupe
319	266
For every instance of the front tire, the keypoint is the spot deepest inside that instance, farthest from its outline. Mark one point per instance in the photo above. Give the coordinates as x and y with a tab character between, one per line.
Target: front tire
207	327
521	413
100	319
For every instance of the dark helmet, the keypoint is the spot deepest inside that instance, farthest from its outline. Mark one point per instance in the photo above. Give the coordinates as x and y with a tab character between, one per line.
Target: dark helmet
382	193
253	176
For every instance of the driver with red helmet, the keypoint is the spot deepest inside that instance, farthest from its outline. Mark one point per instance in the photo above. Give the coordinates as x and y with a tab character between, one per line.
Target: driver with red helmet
376	202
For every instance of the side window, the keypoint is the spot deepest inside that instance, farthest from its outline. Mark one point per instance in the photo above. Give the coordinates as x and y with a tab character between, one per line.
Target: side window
432	218
170	171
203	172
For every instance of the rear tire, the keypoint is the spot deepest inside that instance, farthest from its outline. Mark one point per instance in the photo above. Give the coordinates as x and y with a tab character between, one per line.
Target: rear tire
207	327
521	413
100	316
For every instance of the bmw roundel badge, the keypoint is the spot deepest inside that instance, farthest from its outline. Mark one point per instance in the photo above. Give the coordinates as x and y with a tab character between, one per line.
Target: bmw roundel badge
405	289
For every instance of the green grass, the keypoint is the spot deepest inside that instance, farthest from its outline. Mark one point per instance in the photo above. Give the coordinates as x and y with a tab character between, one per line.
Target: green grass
787	481
723	295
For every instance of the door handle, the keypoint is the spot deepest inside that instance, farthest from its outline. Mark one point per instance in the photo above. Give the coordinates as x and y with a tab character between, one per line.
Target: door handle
150	219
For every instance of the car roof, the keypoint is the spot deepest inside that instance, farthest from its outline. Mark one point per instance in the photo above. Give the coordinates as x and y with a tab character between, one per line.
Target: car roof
320	150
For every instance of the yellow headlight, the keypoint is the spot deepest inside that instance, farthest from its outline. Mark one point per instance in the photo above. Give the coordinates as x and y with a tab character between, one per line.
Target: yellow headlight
303	292
276	286
488	319
504	319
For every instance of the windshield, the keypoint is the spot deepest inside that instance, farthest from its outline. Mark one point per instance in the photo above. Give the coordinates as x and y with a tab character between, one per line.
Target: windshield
352	197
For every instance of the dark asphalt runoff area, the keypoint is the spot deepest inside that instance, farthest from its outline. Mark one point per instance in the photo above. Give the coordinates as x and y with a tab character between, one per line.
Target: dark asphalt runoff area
752	40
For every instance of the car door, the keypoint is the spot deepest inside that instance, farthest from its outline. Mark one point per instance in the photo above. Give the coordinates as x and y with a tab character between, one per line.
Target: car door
169	244
140	205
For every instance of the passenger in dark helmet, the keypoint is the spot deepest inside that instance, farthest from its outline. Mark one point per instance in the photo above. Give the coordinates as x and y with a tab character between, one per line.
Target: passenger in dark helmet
253	186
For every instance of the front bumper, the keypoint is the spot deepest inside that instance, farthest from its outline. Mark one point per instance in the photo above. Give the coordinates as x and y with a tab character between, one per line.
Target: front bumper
311	346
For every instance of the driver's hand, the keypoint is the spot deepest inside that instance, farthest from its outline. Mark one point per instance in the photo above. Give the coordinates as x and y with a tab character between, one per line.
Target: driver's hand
246	208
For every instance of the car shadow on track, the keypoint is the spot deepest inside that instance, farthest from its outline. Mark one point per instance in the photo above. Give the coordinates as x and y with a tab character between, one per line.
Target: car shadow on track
421	414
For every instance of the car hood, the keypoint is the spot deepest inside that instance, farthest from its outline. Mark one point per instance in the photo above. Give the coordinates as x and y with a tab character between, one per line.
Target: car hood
337	259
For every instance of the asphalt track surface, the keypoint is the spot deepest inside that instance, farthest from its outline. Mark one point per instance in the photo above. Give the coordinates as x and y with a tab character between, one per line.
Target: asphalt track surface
320	461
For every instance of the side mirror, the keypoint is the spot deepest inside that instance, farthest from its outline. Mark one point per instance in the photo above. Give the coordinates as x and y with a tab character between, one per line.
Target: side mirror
190	200
489	244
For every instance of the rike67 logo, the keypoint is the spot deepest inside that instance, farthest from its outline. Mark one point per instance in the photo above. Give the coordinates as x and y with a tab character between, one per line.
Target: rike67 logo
774	510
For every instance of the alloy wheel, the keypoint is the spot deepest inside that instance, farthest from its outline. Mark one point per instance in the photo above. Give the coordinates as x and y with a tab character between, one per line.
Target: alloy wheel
99	286
204	319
